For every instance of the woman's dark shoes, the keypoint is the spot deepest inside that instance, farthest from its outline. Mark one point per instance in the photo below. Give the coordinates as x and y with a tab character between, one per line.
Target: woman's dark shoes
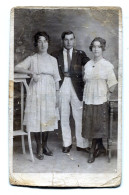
91	158
83	149
47	151
40	155
100	151
66	149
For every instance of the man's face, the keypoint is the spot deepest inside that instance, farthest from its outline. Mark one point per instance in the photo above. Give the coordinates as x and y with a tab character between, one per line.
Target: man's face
68	41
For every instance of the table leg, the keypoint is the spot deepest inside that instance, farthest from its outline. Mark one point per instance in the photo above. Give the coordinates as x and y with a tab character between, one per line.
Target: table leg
110	132
30	147
22	112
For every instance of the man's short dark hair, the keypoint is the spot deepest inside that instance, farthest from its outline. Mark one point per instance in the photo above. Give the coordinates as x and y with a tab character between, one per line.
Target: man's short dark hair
67	33
102	43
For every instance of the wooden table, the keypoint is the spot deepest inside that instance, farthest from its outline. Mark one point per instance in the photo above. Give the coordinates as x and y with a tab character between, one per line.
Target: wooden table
21	78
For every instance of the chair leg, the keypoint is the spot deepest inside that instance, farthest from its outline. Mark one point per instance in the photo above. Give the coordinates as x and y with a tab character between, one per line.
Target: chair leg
109	150
30	147
23	144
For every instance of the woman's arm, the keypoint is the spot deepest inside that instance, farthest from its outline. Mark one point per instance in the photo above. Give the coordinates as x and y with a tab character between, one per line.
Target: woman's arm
57	86
25	71
110	91
57	94
24	66
83	74
112	88
22	70
111	79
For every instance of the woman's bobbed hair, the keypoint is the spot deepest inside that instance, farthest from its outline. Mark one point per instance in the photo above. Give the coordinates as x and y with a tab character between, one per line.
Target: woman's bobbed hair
39	34
102	43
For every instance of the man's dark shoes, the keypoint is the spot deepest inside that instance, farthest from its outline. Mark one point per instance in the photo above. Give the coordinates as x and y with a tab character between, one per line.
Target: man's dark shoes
66	149
47	151
83	149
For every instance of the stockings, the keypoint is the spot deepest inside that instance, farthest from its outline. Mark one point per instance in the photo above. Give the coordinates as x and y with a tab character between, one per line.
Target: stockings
41	140
97	148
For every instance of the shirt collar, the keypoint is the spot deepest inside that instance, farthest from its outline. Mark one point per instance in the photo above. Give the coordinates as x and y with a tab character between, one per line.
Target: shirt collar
98	61
65	50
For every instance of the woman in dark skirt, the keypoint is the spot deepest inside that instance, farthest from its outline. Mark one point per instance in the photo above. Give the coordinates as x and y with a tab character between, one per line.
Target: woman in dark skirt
100	82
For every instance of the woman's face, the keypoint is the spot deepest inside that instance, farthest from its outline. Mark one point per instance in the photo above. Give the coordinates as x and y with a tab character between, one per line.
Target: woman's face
42	44
97	49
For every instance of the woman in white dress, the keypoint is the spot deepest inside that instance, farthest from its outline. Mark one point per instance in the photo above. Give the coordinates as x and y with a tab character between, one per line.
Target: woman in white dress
41	103
100	81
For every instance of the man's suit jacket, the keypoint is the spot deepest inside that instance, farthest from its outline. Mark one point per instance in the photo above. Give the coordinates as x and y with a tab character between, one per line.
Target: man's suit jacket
79	59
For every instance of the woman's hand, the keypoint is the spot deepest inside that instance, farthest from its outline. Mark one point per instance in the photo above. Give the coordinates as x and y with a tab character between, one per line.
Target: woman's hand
35	77
57	99
108	95
110	91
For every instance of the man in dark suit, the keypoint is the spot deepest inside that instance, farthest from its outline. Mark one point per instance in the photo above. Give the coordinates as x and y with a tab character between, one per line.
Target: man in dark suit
70	63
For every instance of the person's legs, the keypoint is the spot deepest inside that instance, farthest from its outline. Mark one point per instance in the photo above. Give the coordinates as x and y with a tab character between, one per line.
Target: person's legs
64	103
65	126
100	149
100	144
38	140
77	107
91	158
46	150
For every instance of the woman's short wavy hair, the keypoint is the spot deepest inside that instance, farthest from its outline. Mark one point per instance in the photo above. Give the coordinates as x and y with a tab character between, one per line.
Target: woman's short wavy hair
102	43
39	34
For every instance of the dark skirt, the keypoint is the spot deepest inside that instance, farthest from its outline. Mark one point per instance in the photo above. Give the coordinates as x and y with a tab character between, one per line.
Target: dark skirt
95	121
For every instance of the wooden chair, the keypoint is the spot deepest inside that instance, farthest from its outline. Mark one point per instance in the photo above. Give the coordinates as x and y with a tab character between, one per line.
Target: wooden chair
21	78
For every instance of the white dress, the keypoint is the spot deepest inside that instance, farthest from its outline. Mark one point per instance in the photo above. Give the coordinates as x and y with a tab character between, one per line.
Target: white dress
99	77
40	110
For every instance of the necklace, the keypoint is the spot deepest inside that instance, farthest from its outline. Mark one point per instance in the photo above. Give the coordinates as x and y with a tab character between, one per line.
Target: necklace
96	61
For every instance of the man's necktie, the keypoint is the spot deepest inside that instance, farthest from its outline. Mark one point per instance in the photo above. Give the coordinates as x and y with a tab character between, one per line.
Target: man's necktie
68	59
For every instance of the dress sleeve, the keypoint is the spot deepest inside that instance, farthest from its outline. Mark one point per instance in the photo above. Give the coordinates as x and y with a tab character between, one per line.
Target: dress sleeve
84	74
86	69
26	63
56	71
111	78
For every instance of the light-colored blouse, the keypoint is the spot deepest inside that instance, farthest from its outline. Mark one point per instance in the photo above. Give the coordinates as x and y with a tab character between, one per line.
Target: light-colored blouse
46	65
99	77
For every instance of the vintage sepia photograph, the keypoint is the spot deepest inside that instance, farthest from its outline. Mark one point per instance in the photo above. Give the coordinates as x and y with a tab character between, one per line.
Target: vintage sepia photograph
65	96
